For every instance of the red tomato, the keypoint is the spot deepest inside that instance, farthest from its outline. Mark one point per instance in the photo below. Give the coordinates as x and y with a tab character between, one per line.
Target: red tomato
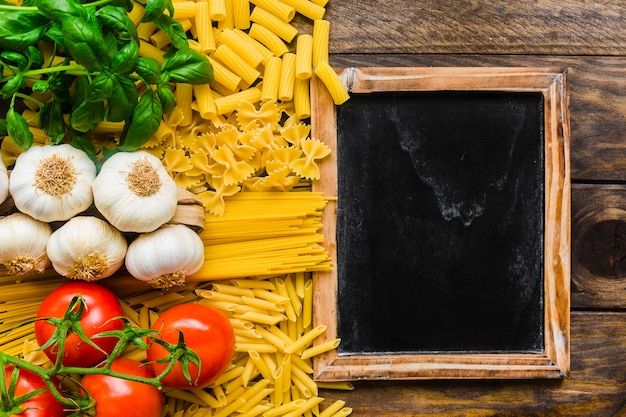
117	397
207	332
42	405
102	313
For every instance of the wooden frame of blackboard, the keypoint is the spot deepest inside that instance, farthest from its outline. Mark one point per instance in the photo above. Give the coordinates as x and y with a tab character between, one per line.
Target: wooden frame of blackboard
553	360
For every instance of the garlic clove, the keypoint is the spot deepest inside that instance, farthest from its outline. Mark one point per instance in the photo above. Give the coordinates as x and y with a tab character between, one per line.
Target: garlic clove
23	244
165	257
52	182
4	182
86	248
134	192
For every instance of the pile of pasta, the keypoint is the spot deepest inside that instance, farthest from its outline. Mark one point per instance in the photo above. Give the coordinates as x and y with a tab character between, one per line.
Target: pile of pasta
271	373
242	144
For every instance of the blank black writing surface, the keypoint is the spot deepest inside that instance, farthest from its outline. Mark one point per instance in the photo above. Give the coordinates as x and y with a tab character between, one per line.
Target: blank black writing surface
440	222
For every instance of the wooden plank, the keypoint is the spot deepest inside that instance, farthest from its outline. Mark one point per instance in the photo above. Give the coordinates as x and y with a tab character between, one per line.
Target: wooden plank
597	102
598	246
564	27
596	386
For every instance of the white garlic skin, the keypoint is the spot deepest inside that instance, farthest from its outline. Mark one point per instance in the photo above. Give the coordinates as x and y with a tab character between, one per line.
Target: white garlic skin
166	256
4	181
123	205
44	202
23	244
86	248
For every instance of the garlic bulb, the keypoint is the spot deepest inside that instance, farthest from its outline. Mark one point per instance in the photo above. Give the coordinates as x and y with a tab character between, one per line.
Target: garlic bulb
52	182
23	244
86	248
134	192
165	257
4	182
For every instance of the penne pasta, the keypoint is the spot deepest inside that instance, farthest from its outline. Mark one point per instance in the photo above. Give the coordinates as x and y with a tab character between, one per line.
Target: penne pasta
309	404
345	411
307	304
305	339
320	348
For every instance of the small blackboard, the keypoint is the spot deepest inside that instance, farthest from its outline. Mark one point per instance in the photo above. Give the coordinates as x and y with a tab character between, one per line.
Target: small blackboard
445	184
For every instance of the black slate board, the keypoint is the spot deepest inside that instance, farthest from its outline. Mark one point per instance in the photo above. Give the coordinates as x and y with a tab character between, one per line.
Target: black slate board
440	222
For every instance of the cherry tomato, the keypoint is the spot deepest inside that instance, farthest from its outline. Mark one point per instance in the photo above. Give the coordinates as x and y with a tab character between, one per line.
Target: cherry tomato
117	397
42	405
206	331
102	313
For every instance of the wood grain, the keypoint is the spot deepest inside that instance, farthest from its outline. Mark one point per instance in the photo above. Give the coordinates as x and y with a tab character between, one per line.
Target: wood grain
564	27
588	38
596	386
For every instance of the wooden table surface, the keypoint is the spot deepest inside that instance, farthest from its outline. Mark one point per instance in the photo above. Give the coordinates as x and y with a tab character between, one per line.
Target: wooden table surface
589	39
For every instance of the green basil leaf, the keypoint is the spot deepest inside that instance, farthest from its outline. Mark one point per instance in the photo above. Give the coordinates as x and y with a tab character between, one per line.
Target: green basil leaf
166	97
85	43
21	29
60	84
80	91
51	121
87	116
84	144
148	69
55	34
124	4
100	88
17	129
188	66
117	20
3	127
41	86
57	10
145	122
13	85
35	59
123	100
14	60
154	9
174	30
125	60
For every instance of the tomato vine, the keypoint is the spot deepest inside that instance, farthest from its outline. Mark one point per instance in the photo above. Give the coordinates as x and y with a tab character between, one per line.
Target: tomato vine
79	402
